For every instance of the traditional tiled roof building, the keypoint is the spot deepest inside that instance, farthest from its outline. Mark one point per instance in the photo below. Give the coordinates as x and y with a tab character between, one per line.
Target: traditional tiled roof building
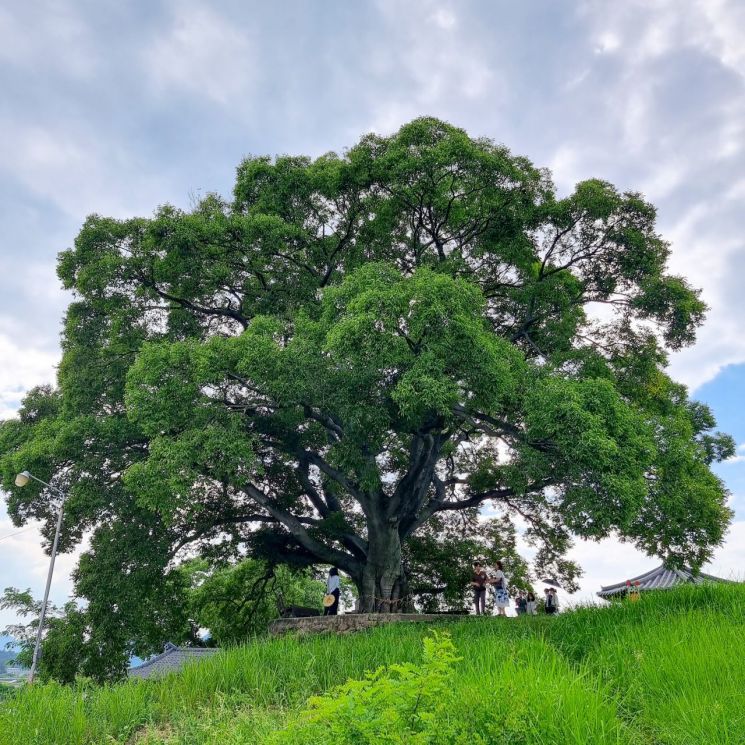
171	660
660	578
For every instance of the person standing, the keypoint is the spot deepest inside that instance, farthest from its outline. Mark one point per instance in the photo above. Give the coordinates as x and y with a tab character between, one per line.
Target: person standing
333	588
499	583
530	604
554	600
521	604
547	601
479	588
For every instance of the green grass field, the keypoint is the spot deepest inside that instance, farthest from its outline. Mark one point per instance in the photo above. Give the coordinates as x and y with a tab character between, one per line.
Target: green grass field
669	669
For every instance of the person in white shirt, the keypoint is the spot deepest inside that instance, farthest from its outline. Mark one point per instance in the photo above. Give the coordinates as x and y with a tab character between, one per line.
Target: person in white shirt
499	583
333	587
531	606
552	601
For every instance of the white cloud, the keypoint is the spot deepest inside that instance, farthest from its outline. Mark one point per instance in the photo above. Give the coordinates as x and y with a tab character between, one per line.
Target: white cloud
674	95
605	562
203	53
723	32
21	367
444	18
729	560
79	173
36	281
51	34
566	168
607	42
442	73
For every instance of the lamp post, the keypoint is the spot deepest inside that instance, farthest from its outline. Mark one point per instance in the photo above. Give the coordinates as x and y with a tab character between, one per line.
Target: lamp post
21	480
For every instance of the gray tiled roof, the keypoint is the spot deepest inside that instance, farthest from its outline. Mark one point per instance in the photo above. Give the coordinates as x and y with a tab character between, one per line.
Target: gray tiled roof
660	578
171	660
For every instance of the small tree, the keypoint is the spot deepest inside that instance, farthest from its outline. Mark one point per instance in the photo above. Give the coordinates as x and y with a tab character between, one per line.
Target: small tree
403	703
63	649
23	632
237	602
73	643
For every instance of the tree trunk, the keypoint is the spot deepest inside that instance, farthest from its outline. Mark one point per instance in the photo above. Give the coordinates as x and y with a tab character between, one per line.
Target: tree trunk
382	586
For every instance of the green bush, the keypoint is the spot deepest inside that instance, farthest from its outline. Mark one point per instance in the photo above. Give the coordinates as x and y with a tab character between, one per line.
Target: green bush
397	704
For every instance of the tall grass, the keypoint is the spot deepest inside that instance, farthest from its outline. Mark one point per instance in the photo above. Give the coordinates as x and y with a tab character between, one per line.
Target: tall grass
668	669
675	660
686	685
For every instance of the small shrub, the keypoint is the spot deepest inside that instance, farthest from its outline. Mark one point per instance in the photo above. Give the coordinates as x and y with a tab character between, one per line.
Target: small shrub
400	703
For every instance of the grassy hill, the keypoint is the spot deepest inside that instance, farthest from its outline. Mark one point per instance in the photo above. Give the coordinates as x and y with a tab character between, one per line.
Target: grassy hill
669	669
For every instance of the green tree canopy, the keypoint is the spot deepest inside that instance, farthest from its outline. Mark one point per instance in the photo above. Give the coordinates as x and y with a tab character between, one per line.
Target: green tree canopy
353	350
237	601
72	646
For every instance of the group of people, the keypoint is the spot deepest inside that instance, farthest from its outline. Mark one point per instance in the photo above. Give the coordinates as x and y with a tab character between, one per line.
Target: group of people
525	602
526	605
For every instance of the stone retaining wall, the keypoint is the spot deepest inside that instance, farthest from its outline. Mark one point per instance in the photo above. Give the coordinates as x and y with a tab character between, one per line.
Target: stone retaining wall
350	622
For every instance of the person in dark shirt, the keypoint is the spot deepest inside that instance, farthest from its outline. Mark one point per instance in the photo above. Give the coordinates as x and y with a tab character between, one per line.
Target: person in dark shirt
333	589
479	588
521	604
552	602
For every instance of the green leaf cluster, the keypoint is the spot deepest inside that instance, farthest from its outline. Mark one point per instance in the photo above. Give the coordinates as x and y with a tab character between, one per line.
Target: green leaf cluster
400	703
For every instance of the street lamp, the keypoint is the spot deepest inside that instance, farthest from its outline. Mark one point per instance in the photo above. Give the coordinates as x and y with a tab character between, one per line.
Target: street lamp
21	480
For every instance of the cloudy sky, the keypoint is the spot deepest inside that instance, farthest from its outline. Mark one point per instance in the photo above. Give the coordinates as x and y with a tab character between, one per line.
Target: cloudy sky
115	108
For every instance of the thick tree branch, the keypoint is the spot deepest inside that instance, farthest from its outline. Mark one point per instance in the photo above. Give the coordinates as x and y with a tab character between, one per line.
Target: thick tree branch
202	530
342	479
300	534
411	490
500	428
224	311
328	506
331	424
475	500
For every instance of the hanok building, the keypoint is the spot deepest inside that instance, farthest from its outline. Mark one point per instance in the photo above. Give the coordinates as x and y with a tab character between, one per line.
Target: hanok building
171	660
660	578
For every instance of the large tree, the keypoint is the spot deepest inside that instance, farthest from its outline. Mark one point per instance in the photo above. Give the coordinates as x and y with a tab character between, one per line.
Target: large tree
357	345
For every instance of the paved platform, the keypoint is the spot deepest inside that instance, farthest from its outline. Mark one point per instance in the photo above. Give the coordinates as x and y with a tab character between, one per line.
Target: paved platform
349	622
